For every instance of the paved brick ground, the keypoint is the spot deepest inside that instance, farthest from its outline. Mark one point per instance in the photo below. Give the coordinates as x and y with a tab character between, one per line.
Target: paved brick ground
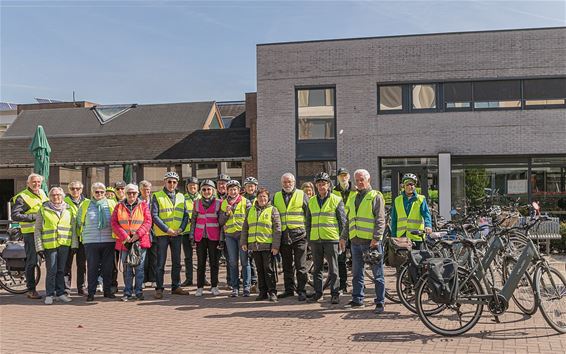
222	324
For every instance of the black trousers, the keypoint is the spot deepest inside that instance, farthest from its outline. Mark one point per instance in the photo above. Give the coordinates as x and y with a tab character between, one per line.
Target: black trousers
207	248
115	269
99	254
80	256
188	254
150	266
31	260
265	272
294	257
342	270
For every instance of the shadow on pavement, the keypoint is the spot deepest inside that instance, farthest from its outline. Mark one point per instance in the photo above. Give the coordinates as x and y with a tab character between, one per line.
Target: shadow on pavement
396	337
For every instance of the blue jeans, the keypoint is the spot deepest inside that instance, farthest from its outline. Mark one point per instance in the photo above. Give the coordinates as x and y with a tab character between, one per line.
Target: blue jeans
235	252
129	274
358	275
175	243
55	262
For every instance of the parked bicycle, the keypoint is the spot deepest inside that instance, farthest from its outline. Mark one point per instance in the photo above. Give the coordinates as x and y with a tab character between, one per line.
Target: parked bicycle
12	263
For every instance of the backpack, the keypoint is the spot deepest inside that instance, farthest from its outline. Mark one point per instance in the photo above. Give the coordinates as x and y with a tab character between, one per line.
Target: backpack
396	251
442	280
133	259
418	258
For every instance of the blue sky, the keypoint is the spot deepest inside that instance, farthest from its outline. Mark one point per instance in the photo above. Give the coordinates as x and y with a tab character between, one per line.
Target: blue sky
180	51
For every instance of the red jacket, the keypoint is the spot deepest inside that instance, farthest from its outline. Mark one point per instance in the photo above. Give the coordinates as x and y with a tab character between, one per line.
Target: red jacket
143	231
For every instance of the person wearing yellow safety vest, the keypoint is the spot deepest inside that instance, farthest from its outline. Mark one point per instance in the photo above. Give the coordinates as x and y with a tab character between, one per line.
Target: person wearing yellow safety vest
250	193
410	212
232	214
292	204
325	222
169	214
343	189
73	200
191	186
261	233
364	228
25	206
94	229
54	239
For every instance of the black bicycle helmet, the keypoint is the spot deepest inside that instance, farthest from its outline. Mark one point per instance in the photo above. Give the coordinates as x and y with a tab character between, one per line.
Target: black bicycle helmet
322	176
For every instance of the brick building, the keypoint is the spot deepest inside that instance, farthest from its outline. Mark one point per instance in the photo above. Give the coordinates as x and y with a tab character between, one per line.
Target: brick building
443	106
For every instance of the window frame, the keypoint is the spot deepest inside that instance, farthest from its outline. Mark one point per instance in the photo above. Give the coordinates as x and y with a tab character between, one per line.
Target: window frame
436	97
404	99
335	120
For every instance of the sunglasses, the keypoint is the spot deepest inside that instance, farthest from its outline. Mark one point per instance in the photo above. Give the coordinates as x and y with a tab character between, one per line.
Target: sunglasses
120	188
132	193
409	184
99	192
172	182
75	188
206	189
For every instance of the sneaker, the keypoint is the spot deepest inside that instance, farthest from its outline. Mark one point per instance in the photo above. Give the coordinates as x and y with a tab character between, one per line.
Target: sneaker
246	292
99	288
316	298
32	294
64	298
154	285
126	298
214	291
199	292
302	296
354	305
143	286
90	298
234	293
335	299
48	300
379	308
140	297
273	297
180	291
158	294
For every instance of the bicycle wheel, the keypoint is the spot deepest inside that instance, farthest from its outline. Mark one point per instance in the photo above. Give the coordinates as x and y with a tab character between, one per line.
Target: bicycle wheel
454	319
13	281
406	289
390	277
550	287
524	295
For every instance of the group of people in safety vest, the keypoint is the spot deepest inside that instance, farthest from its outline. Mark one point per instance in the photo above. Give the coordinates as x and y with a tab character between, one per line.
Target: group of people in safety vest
130	227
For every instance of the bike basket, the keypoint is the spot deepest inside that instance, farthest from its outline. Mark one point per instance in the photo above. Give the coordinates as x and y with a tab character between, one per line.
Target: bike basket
442	280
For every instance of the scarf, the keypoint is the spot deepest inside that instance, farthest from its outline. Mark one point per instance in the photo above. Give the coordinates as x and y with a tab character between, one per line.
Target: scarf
58	208
234	201
101	205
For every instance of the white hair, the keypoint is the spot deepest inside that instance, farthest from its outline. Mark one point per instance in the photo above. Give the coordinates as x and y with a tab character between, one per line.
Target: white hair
35	175
78	184
131	187
288	175
97	185
53	189
362	172
145	183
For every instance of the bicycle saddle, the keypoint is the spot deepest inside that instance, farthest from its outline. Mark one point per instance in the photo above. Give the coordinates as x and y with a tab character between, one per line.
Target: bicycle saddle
474	242
449	243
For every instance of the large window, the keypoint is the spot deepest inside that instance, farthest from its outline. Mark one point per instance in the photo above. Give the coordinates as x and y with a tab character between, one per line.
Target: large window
497	94
472	95
307	170
393	169
207	171
316	113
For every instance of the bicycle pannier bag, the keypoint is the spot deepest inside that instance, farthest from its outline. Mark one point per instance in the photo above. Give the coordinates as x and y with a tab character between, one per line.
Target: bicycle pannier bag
442	280
15	256
417	262
397	251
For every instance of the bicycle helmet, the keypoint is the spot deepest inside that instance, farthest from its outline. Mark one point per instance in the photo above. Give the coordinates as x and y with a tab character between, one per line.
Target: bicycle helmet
232	183
171	174
251	180
372	257
207	182
322	176
191	180
223	177
410	176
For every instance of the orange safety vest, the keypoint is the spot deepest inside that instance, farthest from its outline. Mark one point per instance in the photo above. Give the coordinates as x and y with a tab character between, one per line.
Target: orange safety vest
130	222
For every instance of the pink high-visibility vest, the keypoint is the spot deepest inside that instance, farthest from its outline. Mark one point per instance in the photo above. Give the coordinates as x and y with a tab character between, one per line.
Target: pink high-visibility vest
207	218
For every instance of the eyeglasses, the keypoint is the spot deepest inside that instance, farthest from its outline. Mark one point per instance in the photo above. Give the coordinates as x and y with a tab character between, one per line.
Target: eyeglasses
99	192
75	188
206	189
56	195
409	184
120	188
132	193
172	182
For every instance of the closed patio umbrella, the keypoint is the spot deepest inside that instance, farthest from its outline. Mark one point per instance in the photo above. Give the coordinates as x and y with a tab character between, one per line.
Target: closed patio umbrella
41	150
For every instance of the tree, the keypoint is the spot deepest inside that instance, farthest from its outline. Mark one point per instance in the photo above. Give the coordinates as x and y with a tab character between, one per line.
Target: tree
476	182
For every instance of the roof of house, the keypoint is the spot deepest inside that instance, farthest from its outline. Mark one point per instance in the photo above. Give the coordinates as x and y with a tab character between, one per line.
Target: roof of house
231	108
141	119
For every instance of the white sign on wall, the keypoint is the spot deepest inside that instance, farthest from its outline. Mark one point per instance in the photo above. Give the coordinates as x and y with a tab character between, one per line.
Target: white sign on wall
518	186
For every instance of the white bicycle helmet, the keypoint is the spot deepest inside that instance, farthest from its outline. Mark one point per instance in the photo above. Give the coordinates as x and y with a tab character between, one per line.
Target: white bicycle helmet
171	174
251	180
